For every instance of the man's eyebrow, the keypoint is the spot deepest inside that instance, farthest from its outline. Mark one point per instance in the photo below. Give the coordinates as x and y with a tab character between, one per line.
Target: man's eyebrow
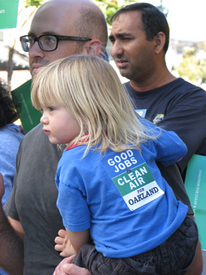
120	35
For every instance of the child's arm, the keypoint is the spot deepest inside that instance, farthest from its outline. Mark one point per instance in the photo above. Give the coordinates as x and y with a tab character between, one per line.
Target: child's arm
69	243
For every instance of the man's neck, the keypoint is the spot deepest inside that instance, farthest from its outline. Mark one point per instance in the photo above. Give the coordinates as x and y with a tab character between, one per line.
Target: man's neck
154	82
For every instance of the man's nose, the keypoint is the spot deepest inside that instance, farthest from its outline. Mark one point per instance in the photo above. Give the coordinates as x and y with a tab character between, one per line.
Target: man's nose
36	51
116	49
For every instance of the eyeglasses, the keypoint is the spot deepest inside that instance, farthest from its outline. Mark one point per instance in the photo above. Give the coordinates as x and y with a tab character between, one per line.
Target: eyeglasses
47	42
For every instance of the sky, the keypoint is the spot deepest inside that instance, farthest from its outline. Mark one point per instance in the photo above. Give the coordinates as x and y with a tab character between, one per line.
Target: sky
186	18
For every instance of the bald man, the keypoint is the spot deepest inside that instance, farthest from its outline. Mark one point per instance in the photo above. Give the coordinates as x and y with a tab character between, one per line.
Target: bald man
59	28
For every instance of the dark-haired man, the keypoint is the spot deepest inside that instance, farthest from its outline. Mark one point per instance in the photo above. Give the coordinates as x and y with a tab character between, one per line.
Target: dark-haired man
140	39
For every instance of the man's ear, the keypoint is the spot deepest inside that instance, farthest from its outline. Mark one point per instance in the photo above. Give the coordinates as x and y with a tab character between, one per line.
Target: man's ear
159	42
93	47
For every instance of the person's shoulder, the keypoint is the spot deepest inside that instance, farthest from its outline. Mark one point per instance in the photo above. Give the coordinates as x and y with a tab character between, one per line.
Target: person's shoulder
189	87
76	156
75	152
72	159
10	134
36	130
36	138
35	133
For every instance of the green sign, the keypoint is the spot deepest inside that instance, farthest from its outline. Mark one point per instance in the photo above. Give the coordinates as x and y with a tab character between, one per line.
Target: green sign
136	179
29	116
8	13
195	184
137	186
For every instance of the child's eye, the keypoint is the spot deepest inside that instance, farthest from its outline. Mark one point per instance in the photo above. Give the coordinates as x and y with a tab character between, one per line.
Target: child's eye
51	109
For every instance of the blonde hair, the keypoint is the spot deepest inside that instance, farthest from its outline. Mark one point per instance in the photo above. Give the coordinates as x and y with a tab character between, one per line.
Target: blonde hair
89	88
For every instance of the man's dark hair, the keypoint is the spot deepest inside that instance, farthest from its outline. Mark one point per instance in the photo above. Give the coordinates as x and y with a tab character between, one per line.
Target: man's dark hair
154	21
8	112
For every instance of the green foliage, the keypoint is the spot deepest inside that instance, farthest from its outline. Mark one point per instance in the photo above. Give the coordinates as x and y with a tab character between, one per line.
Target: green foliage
202	45
110	7
35	3
193	66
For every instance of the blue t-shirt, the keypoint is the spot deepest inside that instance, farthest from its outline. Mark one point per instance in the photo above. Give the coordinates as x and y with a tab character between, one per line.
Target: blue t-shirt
10	138
122	196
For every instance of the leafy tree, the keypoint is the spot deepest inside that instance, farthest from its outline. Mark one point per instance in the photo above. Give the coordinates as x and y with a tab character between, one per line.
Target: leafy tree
193	66
202	45
110	7
35	3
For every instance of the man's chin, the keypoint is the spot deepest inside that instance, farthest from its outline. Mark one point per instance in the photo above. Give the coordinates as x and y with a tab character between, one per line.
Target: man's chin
124	72
34	71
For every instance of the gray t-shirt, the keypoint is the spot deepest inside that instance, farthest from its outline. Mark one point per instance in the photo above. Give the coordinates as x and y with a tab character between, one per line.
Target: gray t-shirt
33	201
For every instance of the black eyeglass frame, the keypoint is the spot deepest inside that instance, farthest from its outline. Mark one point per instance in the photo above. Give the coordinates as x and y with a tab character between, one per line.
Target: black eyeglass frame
58	38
